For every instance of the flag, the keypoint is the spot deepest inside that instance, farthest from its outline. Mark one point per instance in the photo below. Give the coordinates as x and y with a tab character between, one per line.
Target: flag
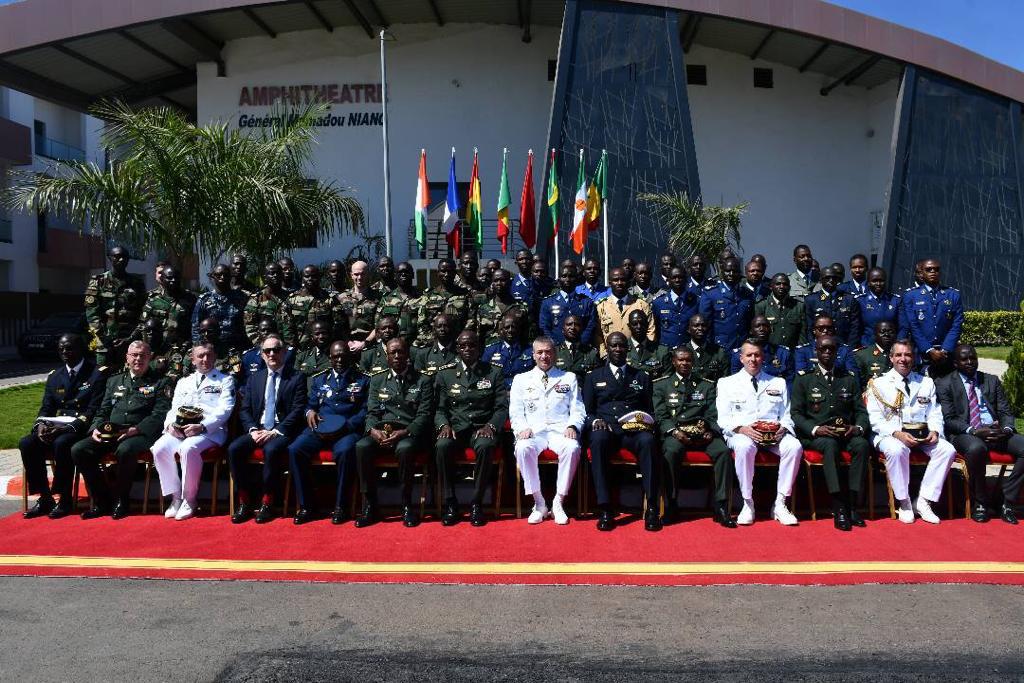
556	221
527	221
451	211
597	191
422	202
580	211
474	208
504	201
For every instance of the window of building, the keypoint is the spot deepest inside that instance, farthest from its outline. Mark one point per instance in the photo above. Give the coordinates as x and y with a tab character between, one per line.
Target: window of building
764	78
41	231
552	69
697	74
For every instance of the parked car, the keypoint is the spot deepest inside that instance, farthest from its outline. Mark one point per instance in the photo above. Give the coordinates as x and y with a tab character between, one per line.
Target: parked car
40	340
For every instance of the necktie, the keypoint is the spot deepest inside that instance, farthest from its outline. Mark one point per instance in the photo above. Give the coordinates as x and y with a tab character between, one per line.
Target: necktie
972	404
71	378
618	374
906	383
270	401
828	378
621	305
753	380
544	380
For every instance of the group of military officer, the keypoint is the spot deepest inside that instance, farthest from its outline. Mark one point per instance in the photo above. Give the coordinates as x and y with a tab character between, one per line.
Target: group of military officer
668	365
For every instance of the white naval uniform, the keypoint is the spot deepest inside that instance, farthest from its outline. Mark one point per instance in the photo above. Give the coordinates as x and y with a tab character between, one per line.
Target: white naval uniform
547	412
920	405
739	406
215	394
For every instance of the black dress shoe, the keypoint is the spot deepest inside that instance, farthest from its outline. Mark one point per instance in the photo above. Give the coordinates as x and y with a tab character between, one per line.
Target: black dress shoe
340	515
410	517
605	520
60	510
476	515
979	513
264	514
855	518
302	515
451	514
42	508
96	511
721	516
840	517
1008	515
652	520
120	510
367	516
243	513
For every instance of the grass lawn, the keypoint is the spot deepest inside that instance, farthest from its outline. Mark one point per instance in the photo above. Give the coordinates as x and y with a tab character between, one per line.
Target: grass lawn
994	352
19	406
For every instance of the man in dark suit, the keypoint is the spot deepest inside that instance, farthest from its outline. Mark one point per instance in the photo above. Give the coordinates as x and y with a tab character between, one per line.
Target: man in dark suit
73	394
977	419
610	392
273	403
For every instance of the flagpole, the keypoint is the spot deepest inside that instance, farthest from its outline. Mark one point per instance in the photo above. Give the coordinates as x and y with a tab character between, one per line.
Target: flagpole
557	261
604	217
583	254
387	165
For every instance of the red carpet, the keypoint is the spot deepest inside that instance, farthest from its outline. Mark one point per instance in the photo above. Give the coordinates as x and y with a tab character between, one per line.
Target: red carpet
510	551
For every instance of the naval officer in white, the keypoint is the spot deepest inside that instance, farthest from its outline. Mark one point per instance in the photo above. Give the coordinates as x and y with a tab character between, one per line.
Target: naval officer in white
745	398
214	392
899	397
546	411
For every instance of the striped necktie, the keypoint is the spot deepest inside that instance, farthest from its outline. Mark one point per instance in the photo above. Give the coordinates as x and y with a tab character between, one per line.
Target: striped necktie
972	404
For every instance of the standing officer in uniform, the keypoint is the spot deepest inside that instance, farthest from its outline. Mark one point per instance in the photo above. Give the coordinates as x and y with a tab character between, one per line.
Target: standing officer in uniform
643	287
335	278
521	287
269	302
778	361
508	353
113	303
745	399
804	355
697	269
667	261
877	304
613	310
546	412
977	419
444	297
572	355
472	406
171	306
896	400
213	393
127	423
385	280
857	284
784	313
311	304
609	393
289	278
359	306
830	417
754	280
442	351
239	275
804	279
74	390
337	398
567	301
401	301
840	306
375	358
592	286
398	419
727	306
687	419
653	358
316	357
873	361
273	403
224	304
932	316
490	311
710	361
673	309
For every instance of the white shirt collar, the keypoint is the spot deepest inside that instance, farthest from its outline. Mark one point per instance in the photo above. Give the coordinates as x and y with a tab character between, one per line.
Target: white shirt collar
77	368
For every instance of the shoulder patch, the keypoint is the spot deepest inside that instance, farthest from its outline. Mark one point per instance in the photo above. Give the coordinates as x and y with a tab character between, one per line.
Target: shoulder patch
801	372
655	381
447	365
319	373
378	372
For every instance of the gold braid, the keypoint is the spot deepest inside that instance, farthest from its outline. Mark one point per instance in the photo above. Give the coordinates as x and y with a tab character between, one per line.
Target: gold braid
896	406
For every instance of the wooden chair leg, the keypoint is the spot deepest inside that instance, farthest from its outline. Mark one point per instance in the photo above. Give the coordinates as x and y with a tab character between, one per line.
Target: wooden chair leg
145	488
423	490
24	490
949	495
892	502
967	488
216	477
519	493
810	491
498	487
231	494
871	494
287	492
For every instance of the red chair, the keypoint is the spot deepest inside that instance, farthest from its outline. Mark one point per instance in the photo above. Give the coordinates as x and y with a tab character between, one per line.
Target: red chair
919	458
764	459
622	457
1004	460
469	458
546	457
422	461
257	459
213	454
815	459
49	461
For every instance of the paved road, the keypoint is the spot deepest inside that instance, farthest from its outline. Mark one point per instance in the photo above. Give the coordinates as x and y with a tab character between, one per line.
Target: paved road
14	371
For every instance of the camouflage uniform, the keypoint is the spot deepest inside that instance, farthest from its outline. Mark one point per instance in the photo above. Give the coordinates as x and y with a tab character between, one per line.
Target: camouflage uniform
174	315
304	309
360	310
490	312
312	361
402	307
171	360
247	287
263	305
112	308
382	288
456	302
228	309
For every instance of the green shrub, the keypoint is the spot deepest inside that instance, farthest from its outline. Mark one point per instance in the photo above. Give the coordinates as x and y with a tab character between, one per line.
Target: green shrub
1013	380
991	328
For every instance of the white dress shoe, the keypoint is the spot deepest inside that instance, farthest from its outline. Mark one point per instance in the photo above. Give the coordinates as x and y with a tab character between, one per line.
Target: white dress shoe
924	511
782	514
905	516
558	512
537	516
172	509
746	516
185	511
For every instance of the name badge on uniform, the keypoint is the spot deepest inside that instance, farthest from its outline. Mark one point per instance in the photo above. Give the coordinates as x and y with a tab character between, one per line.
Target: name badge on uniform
496	357
147	391
483	384
673	398
635	384
697	396
773	392
210	390
600	384
923	400
413	390
455	389
531	407
383	395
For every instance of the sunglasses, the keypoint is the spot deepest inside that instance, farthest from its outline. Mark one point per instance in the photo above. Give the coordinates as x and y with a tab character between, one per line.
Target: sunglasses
273	349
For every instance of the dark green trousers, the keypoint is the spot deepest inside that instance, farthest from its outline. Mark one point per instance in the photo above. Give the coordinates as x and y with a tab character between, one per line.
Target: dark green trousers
721	464
860	451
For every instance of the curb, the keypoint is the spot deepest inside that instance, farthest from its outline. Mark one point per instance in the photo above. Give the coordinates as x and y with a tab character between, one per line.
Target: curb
11	485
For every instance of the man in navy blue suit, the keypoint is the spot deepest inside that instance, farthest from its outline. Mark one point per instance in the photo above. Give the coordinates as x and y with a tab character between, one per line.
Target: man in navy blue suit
273	402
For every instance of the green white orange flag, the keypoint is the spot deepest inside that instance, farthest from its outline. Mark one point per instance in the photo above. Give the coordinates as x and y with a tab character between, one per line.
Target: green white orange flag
504	202
556	220
580	225
422	202
474	207
597	191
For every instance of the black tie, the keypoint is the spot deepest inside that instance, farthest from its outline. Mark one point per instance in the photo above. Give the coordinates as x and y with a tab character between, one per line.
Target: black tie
71	378
618	374
828	378
753	380
906	383
621	305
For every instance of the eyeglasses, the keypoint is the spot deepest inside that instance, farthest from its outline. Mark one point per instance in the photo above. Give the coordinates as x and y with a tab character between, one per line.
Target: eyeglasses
273	349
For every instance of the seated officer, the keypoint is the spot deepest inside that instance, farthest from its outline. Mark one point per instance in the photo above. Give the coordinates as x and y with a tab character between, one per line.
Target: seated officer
335	415
564	302
74	390
838	305
653	358
804	356
610	392
830	417
134	405
398	419
316	358
682	403
777	359
273	403
673	309
375	358
784	313
873	361
572	355
508	353
441	351
472	407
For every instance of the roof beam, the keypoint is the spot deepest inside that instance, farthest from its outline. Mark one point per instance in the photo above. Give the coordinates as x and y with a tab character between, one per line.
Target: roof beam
376	10
153	88
142	45
526	19
684	30
262	25
88	61
45	88
814	56
436	11
319	16
188	33
688	40
852	75
359	17
760	46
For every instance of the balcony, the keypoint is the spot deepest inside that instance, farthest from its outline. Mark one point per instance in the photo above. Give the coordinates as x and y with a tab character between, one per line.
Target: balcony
53	149
437	245
15	143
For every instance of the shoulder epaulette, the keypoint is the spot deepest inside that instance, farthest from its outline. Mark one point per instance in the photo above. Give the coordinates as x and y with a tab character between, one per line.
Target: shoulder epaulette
801	372
374	374
655	381
102	368
497	365
447	365
51	372
783	346
859	348
317	374
737	349
800	346
711	286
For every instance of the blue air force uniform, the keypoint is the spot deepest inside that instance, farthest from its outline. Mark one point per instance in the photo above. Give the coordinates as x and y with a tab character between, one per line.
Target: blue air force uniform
559	306
932	318
331	395
853	287
594	292
778	361
511	359
523	289
805	357
672	313
841	307
728	312
876	309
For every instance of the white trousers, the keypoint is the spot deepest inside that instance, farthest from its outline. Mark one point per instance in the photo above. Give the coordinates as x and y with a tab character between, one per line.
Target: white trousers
190	451
744	449
529	450
897	465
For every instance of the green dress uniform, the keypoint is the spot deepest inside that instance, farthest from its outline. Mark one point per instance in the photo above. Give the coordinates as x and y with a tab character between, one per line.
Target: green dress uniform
173	312
872	362
432	358
128	401
467	399
359	310
112	309
710	361
402	307
578	358
403	402
373	359
313	361
680	401
490	312
653	358
787	318
303	309
816	401
266	305
454	301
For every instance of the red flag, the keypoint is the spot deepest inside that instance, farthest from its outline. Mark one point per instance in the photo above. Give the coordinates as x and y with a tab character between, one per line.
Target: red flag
527	219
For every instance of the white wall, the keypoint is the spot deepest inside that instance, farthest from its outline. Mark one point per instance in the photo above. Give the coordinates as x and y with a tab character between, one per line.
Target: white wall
807	164
462	86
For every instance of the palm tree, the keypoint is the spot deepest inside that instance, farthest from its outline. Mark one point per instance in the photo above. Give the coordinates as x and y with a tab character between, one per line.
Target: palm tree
179	189
695	227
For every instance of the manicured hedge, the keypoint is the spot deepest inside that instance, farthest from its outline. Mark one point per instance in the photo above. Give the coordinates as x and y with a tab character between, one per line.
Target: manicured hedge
991	328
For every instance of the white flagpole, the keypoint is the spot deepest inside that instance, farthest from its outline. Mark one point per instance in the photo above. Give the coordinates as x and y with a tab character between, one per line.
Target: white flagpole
604	220
387	158
583	254
553	226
